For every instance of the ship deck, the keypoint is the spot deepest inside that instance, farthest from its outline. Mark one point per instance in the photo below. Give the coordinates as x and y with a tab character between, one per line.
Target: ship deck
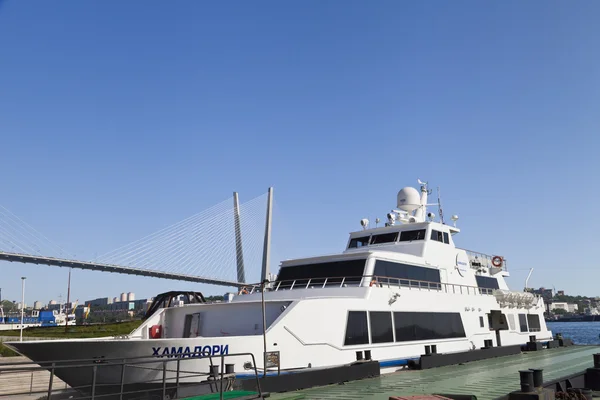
487	379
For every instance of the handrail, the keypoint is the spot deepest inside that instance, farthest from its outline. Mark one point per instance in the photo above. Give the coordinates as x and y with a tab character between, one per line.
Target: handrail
93	390
364	280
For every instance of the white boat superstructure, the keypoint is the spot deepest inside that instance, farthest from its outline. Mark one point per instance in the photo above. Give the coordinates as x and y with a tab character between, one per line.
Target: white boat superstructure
394	290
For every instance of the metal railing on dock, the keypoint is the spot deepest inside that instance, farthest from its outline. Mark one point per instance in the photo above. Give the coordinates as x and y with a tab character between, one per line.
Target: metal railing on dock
101	378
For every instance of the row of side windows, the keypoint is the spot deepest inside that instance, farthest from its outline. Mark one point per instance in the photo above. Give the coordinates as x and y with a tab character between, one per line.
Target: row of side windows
405	236
407	326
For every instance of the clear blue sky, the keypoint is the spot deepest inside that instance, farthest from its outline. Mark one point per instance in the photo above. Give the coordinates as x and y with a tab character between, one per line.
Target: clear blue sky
119	118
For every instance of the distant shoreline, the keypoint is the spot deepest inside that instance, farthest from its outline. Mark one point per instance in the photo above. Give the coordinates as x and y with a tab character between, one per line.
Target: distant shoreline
587	318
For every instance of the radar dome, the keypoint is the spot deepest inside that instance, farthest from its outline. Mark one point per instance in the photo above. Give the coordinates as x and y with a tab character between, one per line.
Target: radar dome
409	199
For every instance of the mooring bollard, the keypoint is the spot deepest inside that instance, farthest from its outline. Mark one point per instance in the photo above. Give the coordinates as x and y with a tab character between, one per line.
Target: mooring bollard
214	371
229	368
526	378
597	360
538	377
532	338
359	356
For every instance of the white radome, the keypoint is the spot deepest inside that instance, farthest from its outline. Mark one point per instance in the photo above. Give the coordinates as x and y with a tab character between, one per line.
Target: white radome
409	199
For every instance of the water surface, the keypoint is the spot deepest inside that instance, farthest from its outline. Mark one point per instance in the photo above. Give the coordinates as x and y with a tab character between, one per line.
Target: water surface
580	332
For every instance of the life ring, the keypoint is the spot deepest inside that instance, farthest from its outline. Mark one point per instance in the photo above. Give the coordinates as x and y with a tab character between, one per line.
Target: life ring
497	261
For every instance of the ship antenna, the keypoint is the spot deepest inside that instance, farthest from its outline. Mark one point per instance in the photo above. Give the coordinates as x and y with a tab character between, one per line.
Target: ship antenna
440	211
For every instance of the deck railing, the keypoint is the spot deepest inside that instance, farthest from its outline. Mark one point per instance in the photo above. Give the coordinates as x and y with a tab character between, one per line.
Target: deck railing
370	280
170	372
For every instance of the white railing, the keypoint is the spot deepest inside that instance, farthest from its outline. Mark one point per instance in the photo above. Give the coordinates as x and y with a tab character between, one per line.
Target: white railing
369	280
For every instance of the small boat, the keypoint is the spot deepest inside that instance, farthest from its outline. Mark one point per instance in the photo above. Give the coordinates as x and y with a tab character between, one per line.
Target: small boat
35	318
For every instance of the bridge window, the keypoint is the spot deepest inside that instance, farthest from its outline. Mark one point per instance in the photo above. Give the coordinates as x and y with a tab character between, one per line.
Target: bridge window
409	236
523	322
427	326
486	282
405	273
381	327
359	242
351	271
357	331
446	238
437	236
384	238
533	320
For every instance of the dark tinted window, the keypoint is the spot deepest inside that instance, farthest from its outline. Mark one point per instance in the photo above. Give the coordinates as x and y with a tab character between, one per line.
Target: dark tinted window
446	238
351	271
523	322
405	272
481	324
408	236
437	236
381	327
356	329
533	320
426	326
486	282
384	238
359	242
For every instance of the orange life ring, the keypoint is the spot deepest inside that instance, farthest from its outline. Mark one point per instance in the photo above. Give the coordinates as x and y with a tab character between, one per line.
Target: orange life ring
497	261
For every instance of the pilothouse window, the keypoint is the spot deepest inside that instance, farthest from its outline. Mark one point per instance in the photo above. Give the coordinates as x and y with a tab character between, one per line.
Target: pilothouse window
437	236
409	236
384	238
358	242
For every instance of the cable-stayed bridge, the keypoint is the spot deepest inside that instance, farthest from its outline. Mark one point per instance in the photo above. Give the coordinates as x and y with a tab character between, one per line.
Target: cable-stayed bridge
227	245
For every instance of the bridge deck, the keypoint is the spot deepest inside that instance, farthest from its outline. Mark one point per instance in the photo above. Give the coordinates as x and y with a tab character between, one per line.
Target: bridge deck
93	266
486	379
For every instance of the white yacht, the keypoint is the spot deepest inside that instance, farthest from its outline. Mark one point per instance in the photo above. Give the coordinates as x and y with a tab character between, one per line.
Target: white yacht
393	290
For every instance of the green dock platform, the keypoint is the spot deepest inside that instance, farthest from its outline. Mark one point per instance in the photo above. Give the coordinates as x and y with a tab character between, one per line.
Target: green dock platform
487	379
